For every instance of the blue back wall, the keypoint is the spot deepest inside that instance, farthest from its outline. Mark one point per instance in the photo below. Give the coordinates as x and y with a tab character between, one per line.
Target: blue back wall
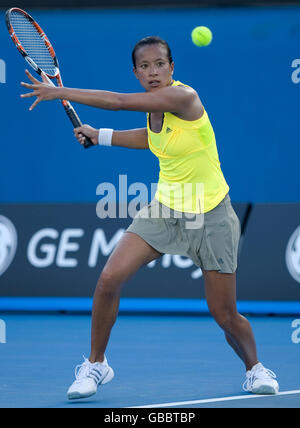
243	79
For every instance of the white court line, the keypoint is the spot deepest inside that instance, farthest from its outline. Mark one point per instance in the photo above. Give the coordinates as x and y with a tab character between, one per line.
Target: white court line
213	400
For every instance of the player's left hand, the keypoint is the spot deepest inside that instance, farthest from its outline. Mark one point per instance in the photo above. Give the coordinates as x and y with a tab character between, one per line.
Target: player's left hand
43	90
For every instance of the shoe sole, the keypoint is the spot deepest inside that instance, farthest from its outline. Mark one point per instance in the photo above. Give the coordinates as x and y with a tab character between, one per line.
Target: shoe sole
265	390
76	395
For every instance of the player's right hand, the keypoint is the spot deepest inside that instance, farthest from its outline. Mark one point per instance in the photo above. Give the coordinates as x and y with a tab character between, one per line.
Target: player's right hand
86	131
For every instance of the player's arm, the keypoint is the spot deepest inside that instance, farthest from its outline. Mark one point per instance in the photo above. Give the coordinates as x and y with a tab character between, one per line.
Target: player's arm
133	138
171	98
175	99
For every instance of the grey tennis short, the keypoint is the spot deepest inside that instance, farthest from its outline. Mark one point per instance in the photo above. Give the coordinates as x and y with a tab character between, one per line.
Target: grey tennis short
210	240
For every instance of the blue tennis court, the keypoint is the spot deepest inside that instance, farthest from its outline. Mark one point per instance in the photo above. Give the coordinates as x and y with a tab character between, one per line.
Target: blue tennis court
160	361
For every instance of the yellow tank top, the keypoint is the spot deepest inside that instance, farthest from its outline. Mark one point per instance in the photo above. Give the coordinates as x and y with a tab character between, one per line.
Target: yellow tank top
190	178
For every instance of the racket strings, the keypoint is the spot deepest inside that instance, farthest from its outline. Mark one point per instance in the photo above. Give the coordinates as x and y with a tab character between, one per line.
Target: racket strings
33	43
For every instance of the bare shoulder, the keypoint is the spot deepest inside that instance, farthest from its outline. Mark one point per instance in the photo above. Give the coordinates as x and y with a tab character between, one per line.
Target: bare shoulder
192	108
184	91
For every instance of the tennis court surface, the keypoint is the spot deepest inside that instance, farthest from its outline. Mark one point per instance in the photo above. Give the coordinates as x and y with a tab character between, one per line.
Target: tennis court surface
160	361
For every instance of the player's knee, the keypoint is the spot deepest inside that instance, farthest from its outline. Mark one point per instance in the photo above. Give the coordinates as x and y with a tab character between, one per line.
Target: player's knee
226	318
108	283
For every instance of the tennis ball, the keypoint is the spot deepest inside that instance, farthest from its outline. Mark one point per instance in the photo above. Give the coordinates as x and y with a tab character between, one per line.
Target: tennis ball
201	36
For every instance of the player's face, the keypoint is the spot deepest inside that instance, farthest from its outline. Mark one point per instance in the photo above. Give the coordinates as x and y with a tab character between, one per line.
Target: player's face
153	69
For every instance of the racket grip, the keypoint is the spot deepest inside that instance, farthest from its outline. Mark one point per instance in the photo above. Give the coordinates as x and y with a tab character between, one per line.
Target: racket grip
76	122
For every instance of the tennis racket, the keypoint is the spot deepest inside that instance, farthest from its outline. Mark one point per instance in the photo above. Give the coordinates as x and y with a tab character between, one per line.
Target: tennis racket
37	50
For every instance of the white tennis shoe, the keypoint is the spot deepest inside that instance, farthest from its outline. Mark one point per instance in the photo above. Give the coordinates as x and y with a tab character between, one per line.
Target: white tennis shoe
88	377
260	380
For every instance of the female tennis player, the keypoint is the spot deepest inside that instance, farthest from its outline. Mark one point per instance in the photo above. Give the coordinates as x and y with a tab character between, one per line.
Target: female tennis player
180	134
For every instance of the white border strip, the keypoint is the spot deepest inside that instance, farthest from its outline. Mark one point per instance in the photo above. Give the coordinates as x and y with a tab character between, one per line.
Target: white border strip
213	400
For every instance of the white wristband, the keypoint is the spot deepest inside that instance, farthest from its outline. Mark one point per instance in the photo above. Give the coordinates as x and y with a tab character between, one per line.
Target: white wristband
105	136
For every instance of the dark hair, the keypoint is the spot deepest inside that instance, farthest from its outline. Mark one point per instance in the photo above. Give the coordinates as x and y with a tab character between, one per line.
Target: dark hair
151	40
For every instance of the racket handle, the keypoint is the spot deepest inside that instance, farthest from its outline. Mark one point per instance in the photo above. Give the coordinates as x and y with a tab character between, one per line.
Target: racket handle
76	122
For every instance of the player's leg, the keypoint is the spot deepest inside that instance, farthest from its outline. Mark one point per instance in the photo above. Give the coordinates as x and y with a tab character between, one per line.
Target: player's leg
130	254
220	291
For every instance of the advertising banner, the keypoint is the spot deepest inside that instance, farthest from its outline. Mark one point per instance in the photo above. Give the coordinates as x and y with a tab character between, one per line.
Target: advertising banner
59	250
269	265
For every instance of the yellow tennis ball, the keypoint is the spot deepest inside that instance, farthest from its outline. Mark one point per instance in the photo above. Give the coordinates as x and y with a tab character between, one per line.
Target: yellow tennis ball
201	36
